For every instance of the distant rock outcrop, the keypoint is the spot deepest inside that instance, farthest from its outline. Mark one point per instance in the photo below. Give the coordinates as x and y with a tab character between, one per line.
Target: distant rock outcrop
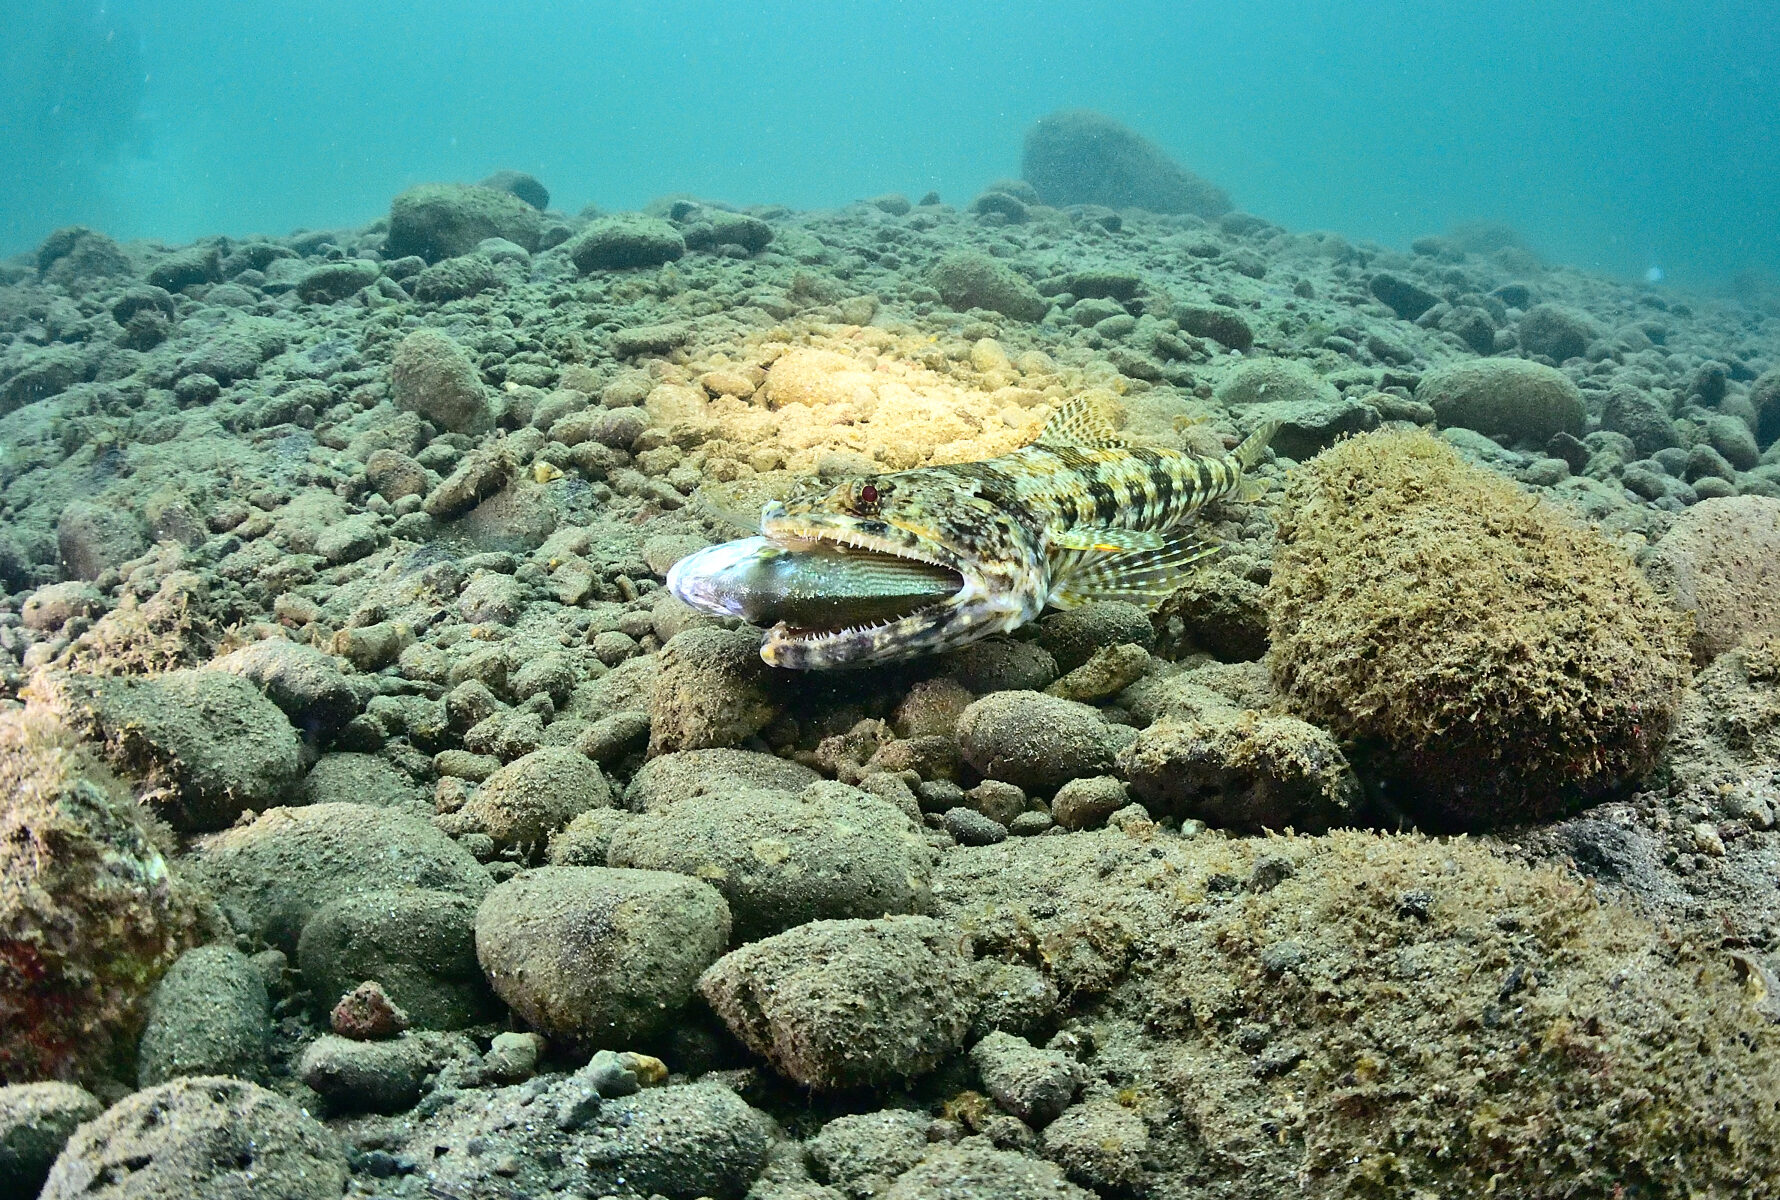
1079	156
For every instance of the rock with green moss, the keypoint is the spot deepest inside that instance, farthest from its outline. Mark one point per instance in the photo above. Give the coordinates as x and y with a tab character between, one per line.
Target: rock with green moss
967	279
1442	1019
624	243
1507	397
206	744
91	914
841	1004
1487	657
443	220
1243	770
595	956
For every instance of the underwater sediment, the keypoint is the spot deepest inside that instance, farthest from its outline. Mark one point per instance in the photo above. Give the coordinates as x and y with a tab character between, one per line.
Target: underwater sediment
360	766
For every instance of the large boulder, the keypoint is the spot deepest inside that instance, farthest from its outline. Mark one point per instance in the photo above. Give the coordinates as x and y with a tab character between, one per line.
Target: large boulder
444	220
207	744
274	875
1516	665
780	860
203	1136
1511	397
1078	156
967	279
841	1004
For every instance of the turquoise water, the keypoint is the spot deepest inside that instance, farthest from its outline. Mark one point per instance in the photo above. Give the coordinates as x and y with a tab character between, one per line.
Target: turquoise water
1618	136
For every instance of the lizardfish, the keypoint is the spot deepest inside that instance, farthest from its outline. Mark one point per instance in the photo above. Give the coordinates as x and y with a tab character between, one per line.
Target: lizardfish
893	566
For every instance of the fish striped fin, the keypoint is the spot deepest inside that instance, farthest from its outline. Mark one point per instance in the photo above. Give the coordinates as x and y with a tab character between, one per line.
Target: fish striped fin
1143	577
1254	446
1079	422
1103	538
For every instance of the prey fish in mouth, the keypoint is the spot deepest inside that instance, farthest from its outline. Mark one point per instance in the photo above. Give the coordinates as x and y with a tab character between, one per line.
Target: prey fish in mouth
814	587
913	562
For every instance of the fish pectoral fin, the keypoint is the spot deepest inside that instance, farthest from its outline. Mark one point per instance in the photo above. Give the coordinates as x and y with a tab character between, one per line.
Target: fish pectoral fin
1143	577
1107	538
1079	422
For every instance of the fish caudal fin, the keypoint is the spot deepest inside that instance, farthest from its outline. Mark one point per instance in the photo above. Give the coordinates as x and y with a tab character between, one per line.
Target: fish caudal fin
1142	577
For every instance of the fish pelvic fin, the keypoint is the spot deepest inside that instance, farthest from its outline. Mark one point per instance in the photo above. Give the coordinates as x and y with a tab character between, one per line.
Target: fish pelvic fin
1142	577
1079	422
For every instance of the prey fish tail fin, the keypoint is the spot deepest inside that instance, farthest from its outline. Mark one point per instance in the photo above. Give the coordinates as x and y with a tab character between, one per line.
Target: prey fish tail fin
1249	453
1143	577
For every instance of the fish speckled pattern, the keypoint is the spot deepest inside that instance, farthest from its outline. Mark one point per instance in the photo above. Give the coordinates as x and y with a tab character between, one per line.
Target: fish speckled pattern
1078	515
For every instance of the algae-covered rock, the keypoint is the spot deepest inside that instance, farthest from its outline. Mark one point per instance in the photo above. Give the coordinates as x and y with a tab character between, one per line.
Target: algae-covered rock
431	375
838	1004
201	1136
1035	741
210	1015
830	851
968	279
207	743
1526	401
444	220
976	1170
530	798
418	943
1245	771
596	956
625	242
36	1121
1491	659
712	691
90	912
1720	562
1399	989
1556	332
275	874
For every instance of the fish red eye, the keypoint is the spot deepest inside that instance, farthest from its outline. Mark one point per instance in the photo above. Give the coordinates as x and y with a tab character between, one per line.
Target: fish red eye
868	494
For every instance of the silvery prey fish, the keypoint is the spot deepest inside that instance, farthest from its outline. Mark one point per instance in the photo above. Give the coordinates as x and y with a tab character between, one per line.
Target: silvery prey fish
898	565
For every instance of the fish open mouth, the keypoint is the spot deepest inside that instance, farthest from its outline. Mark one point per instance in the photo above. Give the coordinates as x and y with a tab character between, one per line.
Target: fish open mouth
837	587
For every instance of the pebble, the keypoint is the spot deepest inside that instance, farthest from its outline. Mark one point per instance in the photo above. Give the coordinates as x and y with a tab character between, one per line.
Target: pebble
1034	1085
366	1013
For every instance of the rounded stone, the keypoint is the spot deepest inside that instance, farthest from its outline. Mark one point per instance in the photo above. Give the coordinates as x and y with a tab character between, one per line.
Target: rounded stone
532	797
203	1136
840	1004
1510	397
36	1121
1038	742
598	956
711	691
431	375
272	876
209	1015
420	945
830	851
209	744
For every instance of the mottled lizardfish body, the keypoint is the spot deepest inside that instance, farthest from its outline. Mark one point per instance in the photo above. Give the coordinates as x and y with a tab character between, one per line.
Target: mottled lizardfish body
897	565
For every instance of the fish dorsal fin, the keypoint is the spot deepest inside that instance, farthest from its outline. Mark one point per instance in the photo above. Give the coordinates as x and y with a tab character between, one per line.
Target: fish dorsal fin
1143	577
1079	422
1107	538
